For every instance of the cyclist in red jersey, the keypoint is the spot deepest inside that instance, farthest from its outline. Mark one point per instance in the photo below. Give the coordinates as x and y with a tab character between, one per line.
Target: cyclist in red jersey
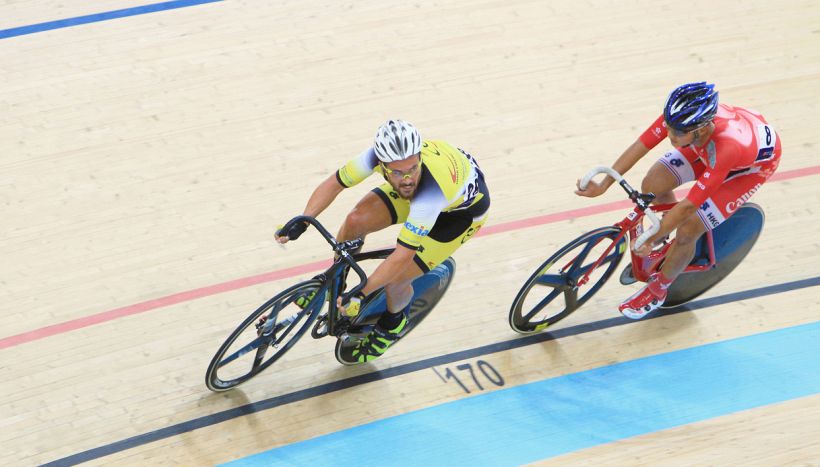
729	152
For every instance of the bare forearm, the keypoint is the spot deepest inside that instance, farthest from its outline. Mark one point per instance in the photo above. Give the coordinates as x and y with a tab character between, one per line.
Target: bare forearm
673	219
627	160
390	269
323	196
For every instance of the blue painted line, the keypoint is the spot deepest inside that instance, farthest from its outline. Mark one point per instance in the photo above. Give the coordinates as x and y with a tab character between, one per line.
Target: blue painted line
560	415
105	16
334	386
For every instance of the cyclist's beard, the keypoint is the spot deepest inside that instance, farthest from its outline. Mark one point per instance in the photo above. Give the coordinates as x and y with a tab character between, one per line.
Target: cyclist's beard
406	189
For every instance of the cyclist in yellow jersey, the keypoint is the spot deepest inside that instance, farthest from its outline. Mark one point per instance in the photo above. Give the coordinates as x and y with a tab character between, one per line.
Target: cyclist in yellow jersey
435	190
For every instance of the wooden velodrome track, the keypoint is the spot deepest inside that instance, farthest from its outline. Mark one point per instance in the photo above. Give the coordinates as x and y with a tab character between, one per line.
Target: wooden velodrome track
146	160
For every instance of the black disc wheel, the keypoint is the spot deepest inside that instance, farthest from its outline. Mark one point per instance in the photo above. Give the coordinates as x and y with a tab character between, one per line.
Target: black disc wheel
733	240
427	291
265	335
552	291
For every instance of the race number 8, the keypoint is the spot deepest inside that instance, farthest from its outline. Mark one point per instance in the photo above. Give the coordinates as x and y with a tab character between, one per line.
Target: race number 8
766	140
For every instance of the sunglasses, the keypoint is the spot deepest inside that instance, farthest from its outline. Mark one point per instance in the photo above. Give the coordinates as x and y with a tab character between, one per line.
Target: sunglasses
401	174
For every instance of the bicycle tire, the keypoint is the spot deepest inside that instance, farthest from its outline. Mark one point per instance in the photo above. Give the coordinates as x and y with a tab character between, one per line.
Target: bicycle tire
278	339
563	284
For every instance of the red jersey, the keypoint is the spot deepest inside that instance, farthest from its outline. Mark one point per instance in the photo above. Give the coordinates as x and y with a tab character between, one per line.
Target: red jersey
742	139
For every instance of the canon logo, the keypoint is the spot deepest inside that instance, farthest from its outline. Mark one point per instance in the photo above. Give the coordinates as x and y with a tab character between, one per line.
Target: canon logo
733	206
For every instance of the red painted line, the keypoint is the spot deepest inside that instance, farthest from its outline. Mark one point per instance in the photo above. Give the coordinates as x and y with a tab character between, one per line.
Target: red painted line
796	173
554	217
608	207
194	294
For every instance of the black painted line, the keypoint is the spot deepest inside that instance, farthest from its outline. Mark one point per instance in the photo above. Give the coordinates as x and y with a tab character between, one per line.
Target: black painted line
439	375
406	368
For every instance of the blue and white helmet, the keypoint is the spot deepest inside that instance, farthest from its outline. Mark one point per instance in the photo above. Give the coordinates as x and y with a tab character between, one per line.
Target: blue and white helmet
396	140
691	106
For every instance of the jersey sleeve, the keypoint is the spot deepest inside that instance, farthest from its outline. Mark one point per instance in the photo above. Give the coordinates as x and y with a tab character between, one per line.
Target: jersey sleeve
357	169
722	159
653	135
424	210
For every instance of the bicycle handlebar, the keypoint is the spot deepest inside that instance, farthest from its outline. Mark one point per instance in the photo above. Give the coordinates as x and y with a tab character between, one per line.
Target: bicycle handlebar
634	195
601	169
337	247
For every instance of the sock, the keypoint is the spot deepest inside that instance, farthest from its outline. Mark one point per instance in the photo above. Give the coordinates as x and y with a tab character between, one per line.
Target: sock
389	321
659	284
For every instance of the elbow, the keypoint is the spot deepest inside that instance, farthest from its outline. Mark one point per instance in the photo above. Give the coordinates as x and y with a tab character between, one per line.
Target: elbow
333	184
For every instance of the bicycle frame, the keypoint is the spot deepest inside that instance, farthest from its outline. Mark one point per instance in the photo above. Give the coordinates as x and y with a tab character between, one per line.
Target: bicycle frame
271	328
645	266
333	275
632	225
554	290
337	324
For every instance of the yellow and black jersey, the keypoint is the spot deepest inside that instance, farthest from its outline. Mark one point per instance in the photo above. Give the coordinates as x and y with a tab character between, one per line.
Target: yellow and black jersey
450	180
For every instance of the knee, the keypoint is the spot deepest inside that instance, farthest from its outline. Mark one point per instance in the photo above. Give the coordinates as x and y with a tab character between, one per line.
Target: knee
658	180
356	222
653	184
646	185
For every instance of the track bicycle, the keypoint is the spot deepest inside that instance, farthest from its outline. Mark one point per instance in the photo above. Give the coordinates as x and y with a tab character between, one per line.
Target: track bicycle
573	274
273	328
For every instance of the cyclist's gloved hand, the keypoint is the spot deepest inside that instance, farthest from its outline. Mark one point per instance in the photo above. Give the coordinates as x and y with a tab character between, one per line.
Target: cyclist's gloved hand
294	232
352	304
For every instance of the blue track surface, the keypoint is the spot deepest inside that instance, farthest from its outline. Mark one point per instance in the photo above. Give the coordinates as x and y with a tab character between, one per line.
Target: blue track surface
560	415
340	385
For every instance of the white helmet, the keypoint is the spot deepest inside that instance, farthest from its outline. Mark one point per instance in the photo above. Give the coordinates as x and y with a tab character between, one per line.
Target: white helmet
396	140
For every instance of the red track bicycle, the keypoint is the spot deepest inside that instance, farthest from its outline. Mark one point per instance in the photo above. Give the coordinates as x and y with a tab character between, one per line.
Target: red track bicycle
573	274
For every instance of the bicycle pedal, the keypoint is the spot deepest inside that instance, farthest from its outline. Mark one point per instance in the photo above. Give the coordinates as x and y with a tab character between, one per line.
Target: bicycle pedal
348	341
263	328
355	334
345	338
